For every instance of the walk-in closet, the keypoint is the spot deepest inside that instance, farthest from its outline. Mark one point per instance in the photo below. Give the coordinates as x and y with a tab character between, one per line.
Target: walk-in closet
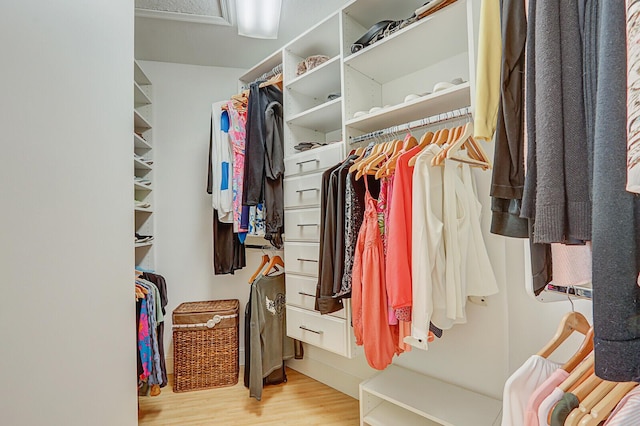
347	212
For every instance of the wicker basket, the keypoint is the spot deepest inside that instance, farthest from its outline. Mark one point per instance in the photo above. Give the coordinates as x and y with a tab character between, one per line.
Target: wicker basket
205	345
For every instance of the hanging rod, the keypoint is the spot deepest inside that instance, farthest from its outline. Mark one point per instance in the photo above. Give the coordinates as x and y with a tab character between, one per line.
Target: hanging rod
266	76
428	121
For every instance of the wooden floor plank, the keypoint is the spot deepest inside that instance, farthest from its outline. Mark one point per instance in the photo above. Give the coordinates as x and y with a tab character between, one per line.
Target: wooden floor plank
300	401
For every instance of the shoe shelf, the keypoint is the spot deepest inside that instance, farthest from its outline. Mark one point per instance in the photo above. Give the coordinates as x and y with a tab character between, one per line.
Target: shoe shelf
140	144
420	45
145	244
318	82
141	165
140	98
139	122
139	76
323	118
140	187
458	96
143	210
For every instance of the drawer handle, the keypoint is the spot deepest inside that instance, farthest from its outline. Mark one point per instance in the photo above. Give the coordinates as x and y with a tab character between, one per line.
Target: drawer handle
307	260
300	191
302	293
307	224
308	329
300	163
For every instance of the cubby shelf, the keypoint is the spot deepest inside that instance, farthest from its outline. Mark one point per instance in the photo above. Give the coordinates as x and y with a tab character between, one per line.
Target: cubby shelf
140	165
320	81
323	118
388	59
139	143
139	96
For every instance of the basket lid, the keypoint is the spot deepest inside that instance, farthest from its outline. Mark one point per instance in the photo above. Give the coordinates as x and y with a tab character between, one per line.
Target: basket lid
208	306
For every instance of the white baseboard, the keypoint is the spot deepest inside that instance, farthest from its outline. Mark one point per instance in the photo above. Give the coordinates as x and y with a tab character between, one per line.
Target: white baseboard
327	374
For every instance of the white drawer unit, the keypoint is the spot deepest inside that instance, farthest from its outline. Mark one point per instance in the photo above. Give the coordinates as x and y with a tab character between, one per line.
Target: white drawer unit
323	331
301	292
302	191
313	160
301	258
302	225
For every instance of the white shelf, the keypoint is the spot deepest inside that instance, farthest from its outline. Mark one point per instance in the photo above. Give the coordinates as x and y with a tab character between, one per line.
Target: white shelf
320	81
139	165
388	59
387	414
430	398
139	187
455	97
139	122
369	12
323	118
140	143
145	244
139	96
139	76
143	210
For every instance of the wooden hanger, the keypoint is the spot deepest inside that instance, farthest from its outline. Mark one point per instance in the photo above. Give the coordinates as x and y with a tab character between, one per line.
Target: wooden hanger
585	349
577	374
605	406
438	139
382	147
241	100
587	403
275	260
356	164
389	166
572	321
265	260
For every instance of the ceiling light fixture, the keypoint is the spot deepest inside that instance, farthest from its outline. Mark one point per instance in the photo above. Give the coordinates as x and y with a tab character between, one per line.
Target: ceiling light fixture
258	18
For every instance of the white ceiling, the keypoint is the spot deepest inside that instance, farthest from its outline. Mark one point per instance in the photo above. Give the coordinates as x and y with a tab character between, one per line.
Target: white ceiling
193	43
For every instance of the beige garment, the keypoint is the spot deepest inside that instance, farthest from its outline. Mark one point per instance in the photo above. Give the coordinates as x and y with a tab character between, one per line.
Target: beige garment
488	71
633	96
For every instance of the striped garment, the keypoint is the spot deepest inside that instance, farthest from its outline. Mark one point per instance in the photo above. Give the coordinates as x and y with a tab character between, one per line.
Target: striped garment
627	412
633	96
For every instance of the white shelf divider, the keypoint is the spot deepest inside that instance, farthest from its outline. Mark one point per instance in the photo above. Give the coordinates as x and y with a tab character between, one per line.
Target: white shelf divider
143	210
145	244
323	118
139	187
139	76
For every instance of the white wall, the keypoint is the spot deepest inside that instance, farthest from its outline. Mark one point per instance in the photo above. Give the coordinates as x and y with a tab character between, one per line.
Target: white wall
67	311
182	98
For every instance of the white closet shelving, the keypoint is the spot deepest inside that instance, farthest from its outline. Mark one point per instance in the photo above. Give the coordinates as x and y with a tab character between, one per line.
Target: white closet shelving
143	165
437	49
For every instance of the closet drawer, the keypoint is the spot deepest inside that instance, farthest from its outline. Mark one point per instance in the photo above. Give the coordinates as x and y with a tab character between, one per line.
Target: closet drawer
323	331
302	225
302	191
313	160
301	292
301	258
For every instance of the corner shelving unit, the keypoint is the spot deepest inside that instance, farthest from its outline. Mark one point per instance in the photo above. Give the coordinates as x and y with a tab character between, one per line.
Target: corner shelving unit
143	147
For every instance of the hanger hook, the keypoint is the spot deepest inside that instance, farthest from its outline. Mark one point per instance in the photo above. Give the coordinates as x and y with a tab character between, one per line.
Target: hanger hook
573	308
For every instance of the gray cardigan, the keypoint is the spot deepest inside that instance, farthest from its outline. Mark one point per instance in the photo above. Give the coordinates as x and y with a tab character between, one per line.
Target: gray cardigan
559	195
616	300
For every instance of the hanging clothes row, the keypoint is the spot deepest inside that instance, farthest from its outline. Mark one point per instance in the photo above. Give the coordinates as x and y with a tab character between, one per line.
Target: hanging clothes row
579	102
245	172
400	234
544	392
151	302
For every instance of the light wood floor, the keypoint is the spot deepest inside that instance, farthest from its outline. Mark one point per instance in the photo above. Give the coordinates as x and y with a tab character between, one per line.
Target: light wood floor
300	401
